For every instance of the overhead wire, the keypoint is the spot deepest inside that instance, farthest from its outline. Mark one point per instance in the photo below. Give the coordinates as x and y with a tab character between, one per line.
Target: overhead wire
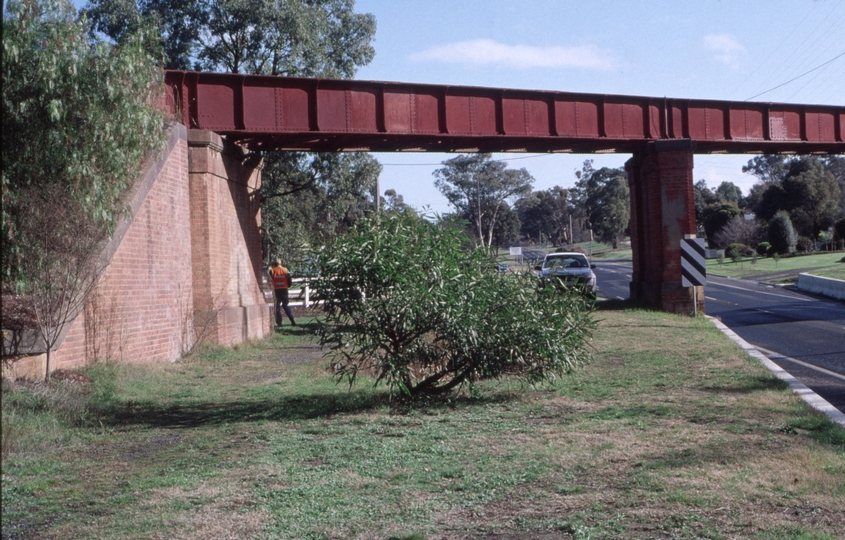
798	77
802	53
834	87
773	51
798	53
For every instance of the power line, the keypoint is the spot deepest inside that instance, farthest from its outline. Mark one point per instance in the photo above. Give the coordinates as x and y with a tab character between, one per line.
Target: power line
773	51
798	77
802	54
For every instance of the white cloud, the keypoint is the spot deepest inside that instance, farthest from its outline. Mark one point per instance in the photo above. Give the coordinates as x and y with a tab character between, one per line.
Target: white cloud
488	52
727	49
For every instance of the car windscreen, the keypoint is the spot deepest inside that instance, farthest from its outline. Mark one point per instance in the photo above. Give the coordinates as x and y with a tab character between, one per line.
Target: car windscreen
566	261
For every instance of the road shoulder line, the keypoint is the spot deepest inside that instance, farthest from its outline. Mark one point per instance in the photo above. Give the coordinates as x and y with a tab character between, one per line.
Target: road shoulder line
811	398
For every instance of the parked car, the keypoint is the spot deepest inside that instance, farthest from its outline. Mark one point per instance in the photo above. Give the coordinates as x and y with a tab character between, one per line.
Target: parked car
572	268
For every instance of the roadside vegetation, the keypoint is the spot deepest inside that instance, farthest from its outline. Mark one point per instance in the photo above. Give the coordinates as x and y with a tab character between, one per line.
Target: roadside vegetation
420	308
780	269
671	431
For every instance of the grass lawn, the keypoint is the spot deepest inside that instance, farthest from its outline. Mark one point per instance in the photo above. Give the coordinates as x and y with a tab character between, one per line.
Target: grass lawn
670	432
599	251
788	268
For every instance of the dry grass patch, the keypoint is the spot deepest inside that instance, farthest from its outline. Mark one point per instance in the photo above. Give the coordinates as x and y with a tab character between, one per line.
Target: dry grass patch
671	432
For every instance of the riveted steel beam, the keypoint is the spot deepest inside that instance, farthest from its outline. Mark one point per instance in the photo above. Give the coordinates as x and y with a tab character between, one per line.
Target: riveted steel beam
288	113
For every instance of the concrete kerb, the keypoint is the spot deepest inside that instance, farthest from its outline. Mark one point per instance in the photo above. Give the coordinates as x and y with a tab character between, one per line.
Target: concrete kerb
814	400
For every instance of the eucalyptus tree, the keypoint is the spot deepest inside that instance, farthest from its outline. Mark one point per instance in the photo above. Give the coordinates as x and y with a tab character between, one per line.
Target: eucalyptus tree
548	213
307	198
479	188
604	199
307	38
78	122
304	38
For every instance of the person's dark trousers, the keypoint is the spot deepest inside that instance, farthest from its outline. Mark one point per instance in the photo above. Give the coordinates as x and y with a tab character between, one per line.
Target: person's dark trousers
282	302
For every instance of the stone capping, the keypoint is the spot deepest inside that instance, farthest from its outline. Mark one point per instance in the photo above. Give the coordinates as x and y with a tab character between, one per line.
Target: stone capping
204	138
208	139
28	342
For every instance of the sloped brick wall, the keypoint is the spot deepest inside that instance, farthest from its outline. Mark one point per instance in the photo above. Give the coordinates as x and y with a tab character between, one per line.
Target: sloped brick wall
186	265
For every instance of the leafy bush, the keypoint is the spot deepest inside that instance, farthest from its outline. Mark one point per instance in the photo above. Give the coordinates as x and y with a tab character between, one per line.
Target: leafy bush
781	233
839	229
738	250
763	248
804	244
415	306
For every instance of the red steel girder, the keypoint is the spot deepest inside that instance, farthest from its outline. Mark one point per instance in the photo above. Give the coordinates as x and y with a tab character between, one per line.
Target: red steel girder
288	113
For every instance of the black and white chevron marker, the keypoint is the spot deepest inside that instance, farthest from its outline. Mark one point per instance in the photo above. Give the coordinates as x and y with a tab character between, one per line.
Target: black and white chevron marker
693	270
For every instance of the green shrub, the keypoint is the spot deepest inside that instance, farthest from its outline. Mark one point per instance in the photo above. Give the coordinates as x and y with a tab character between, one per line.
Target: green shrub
839	229
737	250
781	233
763	248
804	244
420	308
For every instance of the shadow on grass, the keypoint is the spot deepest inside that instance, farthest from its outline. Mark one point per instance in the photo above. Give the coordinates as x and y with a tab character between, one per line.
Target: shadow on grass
285	408
301	329
747	385
614	304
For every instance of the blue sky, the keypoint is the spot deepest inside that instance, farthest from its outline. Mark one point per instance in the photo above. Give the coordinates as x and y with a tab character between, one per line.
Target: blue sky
727	50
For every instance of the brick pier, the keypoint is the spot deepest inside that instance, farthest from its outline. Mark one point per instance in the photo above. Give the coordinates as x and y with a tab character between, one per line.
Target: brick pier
662	213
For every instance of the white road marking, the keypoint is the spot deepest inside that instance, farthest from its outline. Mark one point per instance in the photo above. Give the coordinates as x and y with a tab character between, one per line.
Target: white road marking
775	355
782	296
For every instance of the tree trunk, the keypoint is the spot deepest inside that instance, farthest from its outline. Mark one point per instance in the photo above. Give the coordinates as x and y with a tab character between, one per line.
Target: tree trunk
47	366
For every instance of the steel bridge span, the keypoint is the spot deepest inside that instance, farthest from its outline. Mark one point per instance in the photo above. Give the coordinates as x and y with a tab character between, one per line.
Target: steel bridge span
662	134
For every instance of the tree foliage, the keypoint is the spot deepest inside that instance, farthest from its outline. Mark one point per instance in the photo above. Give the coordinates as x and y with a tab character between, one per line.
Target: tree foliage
805	187
547	213
304	196
78	119
781	233
604	196
813	197
769	168
479	187
309	197
717	215
309	38
424	312
730	192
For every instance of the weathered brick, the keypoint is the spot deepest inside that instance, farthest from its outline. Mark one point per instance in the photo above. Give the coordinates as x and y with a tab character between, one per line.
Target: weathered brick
193	242
662	213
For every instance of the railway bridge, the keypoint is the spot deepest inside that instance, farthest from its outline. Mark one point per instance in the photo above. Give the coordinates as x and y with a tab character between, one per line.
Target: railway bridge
185	266
663	135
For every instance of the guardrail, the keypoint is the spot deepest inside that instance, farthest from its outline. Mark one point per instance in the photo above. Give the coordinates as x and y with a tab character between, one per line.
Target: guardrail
833	288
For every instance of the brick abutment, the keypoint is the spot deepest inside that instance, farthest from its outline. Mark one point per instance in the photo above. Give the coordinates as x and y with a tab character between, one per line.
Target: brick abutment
185	267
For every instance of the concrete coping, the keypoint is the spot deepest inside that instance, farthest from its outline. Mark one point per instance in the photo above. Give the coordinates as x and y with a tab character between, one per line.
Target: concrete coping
204	138
830	287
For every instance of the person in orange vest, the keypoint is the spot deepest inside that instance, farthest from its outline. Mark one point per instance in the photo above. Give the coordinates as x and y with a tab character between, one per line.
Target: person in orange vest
280	279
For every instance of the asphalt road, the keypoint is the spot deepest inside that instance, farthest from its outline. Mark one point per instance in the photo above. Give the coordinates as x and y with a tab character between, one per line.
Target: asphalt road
805	335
